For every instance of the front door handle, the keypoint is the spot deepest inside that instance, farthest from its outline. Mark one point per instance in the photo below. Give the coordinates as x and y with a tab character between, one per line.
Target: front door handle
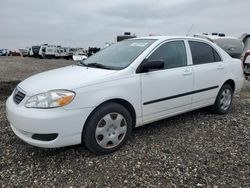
220	67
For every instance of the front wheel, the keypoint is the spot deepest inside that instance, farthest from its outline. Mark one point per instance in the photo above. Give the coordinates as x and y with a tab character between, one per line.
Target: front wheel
107	129
224	99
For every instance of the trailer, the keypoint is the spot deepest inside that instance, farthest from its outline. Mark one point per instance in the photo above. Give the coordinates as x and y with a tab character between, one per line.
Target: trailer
65	52
51	51
127	35
38	51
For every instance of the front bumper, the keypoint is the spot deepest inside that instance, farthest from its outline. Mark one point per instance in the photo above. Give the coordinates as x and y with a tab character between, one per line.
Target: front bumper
67	124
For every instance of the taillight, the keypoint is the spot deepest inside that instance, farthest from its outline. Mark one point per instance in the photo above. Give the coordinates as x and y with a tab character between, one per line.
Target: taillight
247	53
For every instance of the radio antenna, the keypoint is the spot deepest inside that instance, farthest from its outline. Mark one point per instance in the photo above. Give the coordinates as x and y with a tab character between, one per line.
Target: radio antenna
191	27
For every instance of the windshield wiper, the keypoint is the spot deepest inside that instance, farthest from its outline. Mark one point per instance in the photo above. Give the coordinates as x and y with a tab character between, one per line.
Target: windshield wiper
81	63
98	65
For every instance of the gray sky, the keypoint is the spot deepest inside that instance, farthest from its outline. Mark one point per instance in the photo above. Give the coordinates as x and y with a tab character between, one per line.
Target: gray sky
83	23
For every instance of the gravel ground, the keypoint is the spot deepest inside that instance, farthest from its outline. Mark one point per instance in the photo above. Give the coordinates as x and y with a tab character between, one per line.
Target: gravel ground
197	149
19	68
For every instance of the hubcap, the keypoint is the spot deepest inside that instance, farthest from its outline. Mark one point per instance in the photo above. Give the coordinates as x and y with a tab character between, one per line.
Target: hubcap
111	130
226	99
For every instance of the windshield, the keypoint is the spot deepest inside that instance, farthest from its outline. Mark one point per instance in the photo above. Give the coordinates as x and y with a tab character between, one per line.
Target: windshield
119	55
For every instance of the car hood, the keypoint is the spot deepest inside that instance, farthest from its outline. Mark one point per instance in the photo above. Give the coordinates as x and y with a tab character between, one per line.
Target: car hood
70	77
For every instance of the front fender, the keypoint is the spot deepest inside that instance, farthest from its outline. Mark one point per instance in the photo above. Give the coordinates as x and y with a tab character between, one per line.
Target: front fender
127	88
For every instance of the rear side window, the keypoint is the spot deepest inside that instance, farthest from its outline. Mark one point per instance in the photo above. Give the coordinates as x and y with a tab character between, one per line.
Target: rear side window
172	53
203	53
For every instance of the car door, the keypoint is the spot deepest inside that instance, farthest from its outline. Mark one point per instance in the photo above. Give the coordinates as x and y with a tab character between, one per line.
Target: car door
208	69
166	92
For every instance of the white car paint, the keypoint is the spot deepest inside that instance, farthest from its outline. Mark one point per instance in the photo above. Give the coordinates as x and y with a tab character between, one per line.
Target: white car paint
70	77
94	86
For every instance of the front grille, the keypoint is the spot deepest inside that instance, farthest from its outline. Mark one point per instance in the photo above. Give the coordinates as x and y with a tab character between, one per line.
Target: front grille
18	96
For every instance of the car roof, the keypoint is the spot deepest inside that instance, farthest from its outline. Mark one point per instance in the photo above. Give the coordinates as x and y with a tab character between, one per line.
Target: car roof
162	38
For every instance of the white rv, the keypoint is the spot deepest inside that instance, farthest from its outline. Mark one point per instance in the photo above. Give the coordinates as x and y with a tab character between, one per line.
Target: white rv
64	52
38	51
51	51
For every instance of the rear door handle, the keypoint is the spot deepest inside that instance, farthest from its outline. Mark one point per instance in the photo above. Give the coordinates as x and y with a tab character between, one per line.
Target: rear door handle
187	72
220	67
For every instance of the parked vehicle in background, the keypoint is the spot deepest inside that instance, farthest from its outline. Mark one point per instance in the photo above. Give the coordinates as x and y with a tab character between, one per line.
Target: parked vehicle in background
80	55
15	53
38	51
246	40
51	51
246	62
30	52
4	52
232	45
24	51
131	83
127	35
64	52
246	52
92	50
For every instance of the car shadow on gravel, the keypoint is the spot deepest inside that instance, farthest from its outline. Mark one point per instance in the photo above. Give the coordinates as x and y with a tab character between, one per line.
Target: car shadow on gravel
6	87
148	130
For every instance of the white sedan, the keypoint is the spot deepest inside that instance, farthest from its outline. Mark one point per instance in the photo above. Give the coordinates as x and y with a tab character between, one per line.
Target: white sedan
100	100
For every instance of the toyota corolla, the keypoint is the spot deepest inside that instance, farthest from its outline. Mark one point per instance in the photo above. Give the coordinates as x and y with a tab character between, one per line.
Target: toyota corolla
100	100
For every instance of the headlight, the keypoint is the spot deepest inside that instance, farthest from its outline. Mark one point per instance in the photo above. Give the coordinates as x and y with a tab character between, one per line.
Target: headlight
50	99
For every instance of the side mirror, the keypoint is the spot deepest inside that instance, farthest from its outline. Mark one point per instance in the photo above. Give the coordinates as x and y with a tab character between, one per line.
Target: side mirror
150	65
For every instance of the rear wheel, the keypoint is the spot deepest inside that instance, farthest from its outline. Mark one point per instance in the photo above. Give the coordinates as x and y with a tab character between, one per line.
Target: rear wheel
224	99
107	129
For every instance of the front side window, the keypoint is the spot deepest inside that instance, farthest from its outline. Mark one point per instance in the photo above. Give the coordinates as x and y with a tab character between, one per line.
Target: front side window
172	53
119	55
203	53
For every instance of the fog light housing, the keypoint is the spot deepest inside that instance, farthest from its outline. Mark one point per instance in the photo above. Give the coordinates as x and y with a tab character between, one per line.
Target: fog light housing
45	137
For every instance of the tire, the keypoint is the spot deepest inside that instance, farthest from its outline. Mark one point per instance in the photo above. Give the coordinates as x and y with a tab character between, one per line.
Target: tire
102	131
223	102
